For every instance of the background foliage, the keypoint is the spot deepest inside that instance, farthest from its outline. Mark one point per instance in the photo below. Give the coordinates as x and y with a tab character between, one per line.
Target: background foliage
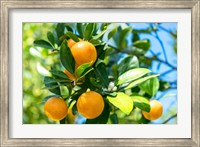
147	45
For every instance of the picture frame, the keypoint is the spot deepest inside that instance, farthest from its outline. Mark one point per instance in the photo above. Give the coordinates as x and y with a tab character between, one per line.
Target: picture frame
7	5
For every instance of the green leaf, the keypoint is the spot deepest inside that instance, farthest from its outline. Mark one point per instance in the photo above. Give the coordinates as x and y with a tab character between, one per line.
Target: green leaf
43	43
102	73
108	93
114	118
59	74
61	39
116	37
60	29
55	86
123	35
142	44
72	36
69	28
66	57
80	70
71	103
132	50
100	51
99	35
122	101
55	37
63	121
94	82
146	61
77	94
135	37
101	119
128	63
139	81
50	82
141	103
88	70
96	28
88	82
76	88
150	86
95	42
79	28
112	33
163	85
50	37
132	74
48	97
88	31
58	80
115	71
104	26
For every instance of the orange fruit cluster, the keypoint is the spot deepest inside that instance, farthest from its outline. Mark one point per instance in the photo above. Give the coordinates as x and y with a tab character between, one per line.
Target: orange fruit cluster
89	104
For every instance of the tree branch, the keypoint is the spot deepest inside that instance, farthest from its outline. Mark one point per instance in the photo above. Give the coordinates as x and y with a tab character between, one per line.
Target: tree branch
164	93
168	31
173	116
166	72
161	44
160	60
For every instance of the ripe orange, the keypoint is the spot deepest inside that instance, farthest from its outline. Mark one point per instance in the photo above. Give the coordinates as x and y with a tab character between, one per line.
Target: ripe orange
71	42
90	104
70	76
55	108
84	52
156	109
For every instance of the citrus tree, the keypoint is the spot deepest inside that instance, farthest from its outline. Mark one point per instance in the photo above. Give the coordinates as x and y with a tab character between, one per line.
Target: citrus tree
100	72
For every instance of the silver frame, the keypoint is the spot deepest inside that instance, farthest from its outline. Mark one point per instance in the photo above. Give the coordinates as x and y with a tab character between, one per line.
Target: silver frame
7	5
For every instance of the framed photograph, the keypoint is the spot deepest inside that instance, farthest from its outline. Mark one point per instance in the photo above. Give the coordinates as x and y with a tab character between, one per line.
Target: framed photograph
100	73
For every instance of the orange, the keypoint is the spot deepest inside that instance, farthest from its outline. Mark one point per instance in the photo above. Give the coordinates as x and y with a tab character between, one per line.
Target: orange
84	52
71	42
90	104
55	108
70	76
156	109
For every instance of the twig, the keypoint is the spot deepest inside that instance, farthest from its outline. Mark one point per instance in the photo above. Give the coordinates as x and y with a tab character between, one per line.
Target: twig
166	72
173	116
160	60
168	31
164	93
161	44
